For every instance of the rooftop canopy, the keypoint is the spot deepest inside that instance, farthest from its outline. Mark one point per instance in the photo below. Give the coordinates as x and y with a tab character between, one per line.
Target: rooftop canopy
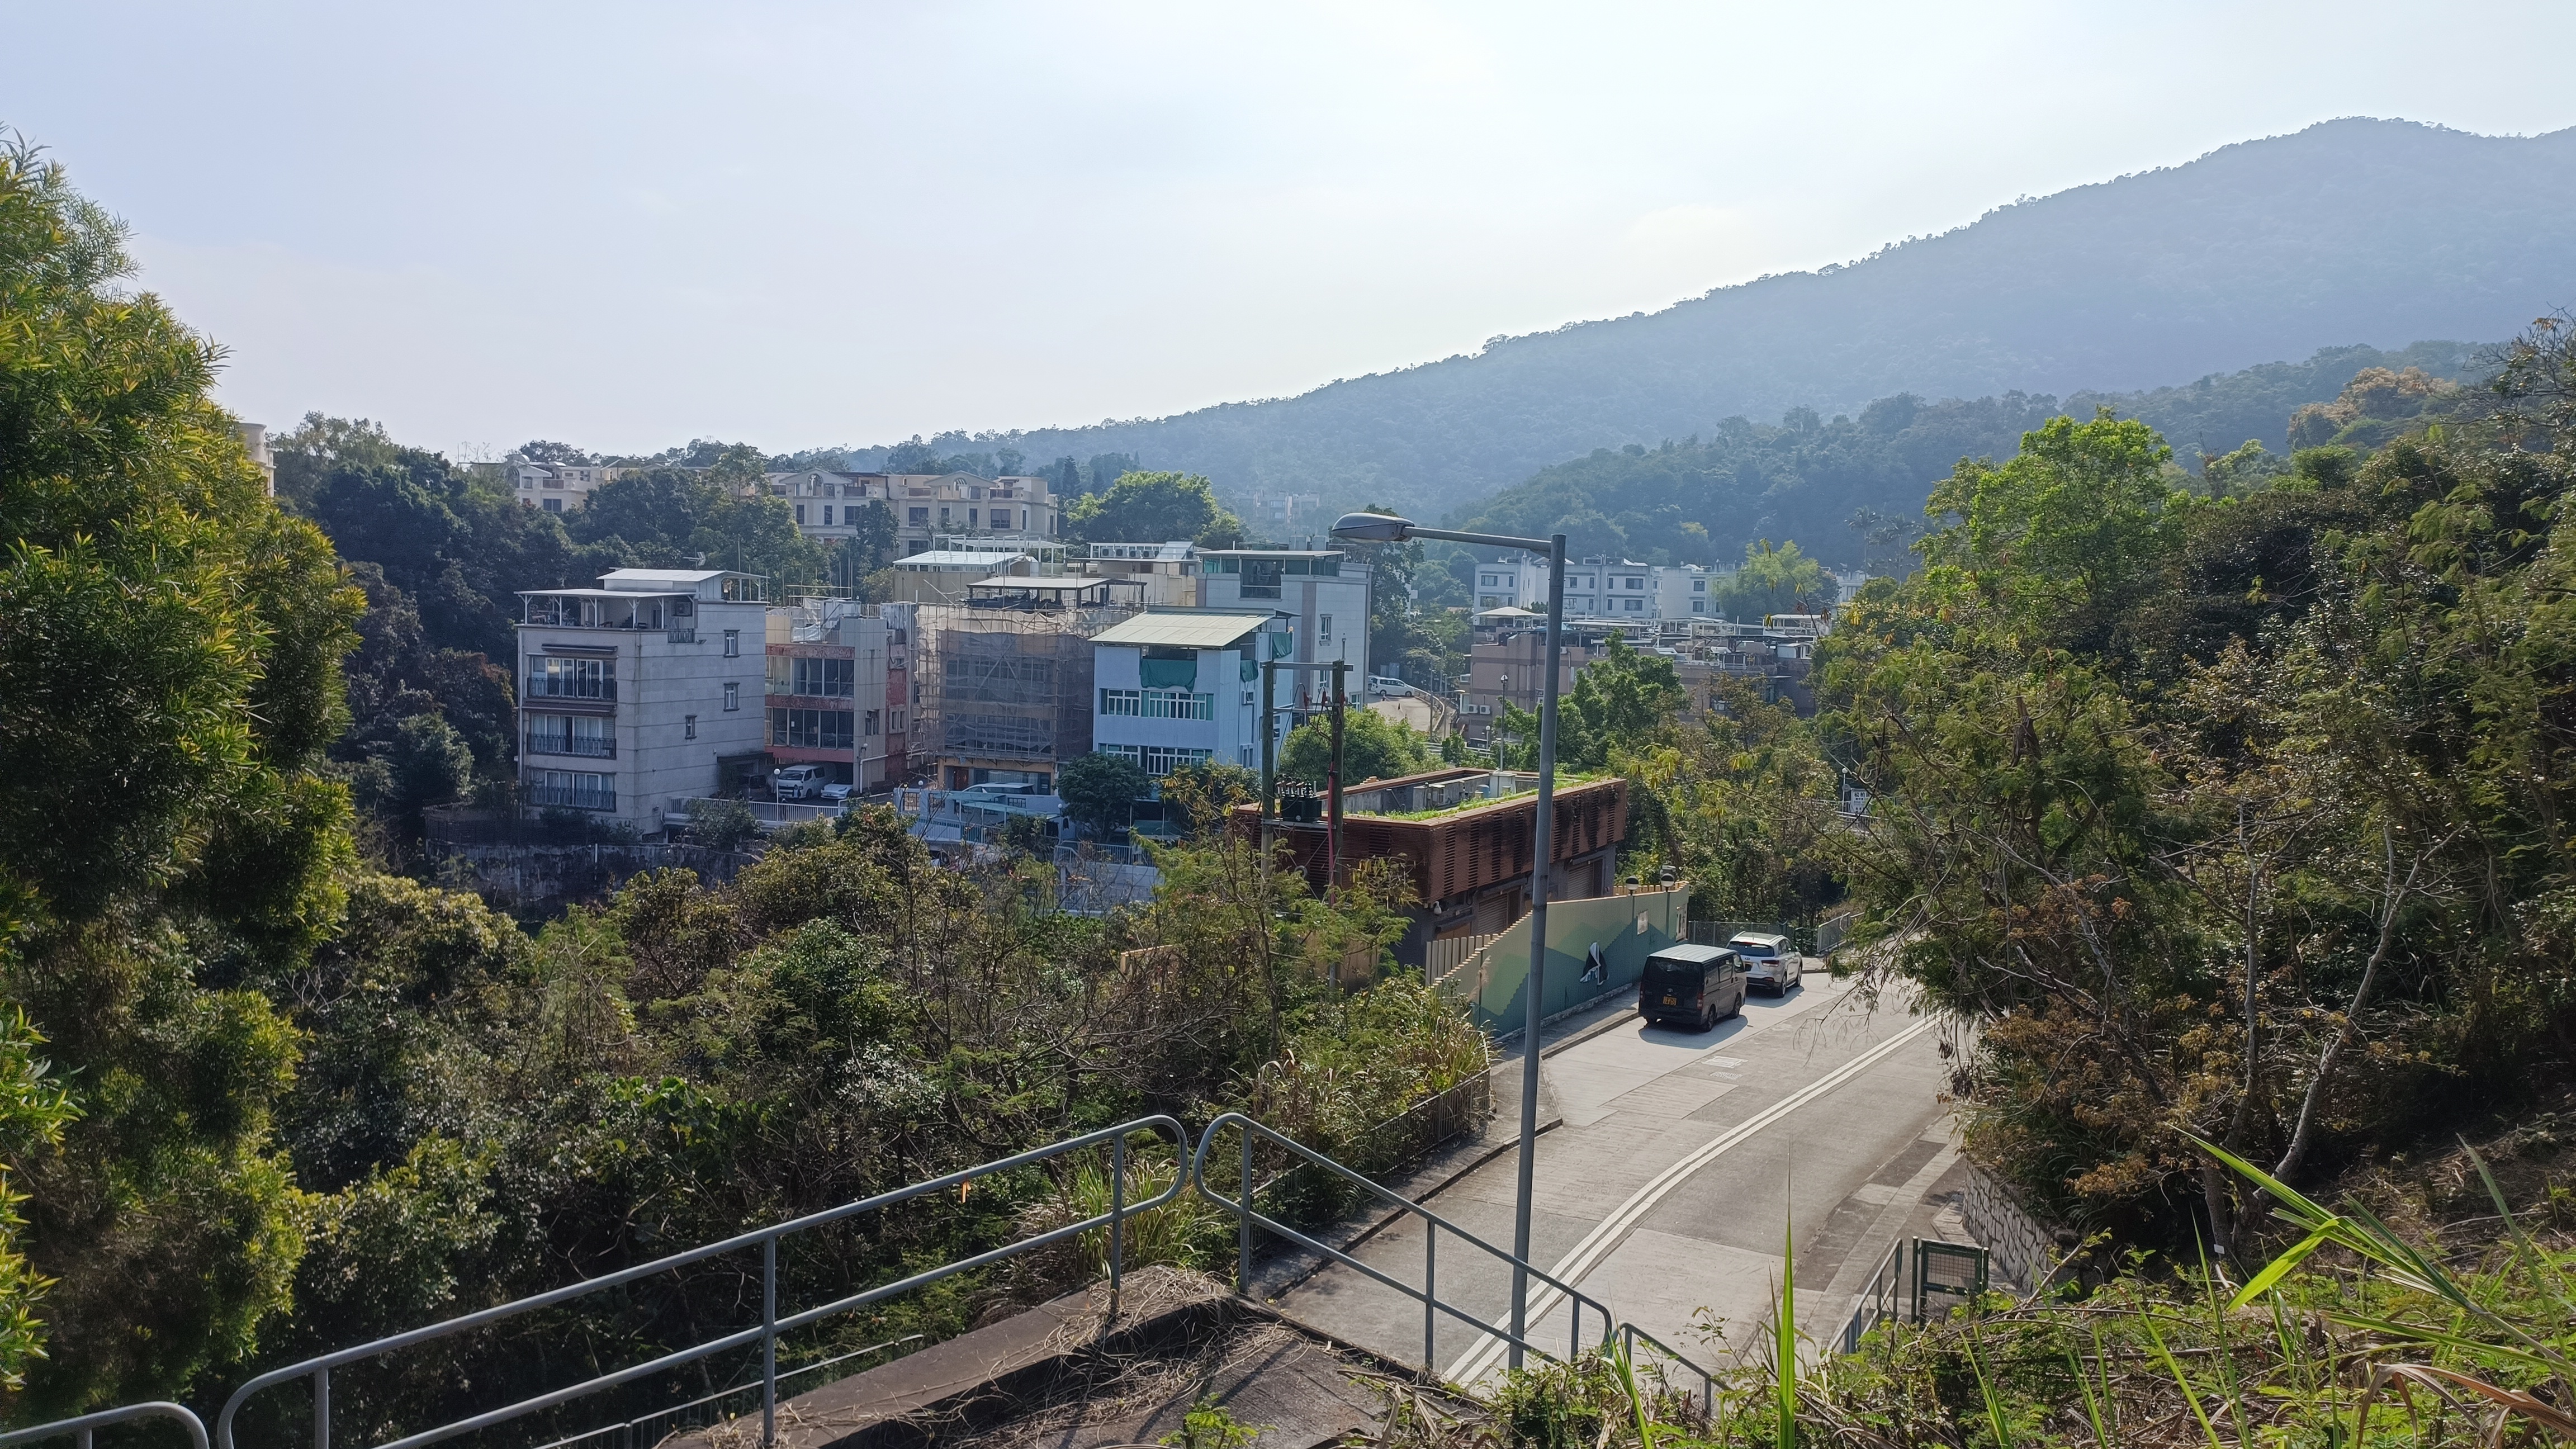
1184	631
709	584
959	558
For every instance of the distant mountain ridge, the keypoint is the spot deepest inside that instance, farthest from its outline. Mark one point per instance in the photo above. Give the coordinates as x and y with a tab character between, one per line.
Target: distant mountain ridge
2348	232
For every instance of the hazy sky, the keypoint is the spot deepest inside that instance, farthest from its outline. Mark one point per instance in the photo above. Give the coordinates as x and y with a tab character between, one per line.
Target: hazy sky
627	225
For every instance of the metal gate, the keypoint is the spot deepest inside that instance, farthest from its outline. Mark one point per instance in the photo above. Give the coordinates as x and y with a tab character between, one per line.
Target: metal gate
1920	1279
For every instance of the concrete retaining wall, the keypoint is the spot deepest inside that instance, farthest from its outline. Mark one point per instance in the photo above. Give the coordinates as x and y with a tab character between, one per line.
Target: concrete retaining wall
2019	1247
1628	928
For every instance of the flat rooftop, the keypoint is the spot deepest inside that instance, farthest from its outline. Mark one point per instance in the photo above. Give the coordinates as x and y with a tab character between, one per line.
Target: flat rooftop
1184	631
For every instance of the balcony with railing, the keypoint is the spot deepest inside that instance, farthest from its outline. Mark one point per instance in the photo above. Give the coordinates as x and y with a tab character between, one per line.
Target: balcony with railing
623	609
543	741
571	679
571	790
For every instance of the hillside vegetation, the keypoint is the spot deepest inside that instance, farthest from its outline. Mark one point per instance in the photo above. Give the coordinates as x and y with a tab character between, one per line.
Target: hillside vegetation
1850	489
2351	231
260	1097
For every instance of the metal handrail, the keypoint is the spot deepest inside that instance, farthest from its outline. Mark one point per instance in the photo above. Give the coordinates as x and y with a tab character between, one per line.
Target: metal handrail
702	1400
80	1428
1630	1333
1247	1216
318	1368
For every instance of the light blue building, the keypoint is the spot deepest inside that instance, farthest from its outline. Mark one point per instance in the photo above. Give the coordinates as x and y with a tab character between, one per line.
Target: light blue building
1180	685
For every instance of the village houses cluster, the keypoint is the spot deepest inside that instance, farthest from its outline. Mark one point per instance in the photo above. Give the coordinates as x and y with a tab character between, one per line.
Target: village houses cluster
1003	651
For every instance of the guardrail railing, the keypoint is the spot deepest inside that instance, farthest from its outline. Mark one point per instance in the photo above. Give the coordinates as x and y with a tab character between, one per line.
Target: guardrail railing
1248	1215
318	1370
646	1430
81	1428
1244	1206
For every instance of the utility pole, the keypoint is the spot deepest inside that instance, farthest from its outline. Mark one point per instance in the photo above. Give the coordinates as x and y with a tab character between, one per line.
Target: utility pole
1385	528
1333	783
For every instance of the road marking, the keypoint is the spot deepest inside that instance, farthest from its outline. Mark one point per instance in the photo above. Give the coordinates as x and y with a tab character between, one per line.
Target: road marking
1588	1254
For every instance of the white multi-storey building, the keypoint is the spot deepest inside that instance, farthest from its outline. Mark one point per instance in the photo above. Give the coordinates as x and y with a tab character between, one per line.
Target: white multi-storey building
640	692
924	506
1182	686
1596	587
554	487
1601	588
1324	592
1685	591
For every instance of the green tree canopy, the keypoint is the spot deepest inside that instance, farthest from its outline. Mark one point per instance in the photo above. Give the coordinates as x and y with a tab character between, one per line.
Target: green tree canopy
1779	580
718	518
169	646
1154	508
1618	702
1101	789
2068	534
1374	747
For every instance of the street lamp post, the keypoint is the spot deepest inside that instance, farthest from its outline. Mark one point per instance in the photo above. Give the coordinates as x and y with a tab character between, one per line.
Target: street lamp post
1381	528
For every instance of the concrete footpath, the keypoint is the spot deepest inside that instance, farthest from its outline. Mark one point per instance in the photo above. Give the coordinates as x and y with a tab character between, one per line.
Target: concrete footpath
1682	1162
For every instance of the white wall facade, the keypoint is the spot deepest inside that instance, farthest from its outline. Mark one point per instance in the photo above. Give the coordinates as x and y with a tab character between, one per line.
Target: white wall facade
1685	591
675	691
1232	734
554	487
1331	610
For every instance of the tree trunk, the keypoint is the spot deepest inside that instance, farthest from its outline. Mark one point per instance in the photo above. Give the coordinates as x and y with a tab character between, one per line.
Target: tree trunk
2344	1033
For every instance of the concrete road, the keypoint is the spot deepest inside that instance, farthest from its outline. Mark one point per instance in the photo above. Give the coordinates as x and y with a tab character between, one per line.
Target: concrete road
1685	1161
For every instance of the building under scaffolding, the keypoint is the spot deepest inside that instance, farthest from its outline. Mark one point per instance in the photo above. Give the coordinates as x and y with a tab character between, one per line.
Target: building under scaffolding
1003	680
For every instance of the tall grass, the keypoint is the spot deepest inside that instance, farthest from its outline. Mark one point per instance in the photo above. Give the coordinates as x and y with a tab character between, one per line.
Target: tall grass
2353	1336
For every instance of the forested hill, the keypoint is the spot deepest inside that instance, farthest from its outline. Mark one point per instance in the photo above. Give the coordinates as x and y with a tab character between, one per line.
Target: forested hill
1807	478
2353	231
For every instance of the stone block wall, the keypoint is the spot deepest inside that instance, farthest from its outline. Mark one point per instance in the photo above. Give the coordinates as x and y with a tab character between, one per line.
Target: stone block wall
2019	1247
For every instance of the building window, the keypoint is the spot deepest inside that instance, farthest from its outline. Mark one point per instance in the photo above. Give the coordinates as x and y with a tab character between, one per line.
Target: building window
917	517
733	644
1699	586
571	734
1636	606
894	725
1699	606
553	678
827	515
1024	520
1157	704
943	517
1324	633
872	724
572	789
554	505
809	729
800	514
1157	760
823	678
733	696
971	515
1260	578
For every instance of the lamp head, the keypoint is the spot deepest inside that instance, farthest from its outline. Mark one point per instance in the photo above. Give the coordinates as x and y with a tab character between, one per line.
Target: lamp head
1372	528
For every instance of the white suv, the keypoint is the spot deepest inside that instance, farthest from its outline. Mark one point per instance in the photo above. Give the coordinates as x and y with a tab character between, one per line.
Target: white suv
1770	963
798	782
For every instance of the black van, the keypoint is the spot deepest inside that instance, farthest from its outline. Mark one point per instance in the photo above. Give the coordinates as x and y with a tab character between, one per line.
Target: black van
1693	986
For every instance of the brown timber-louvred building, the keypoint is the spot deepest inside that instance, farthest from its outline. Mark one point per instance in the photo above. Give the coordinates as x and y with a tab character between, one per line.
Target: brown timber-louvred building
1469	865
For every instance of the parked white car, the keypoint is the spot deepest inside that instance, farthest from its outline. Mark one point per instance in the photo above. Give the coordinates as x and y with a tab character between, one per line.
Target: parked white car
836	793
1770	963
799	782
